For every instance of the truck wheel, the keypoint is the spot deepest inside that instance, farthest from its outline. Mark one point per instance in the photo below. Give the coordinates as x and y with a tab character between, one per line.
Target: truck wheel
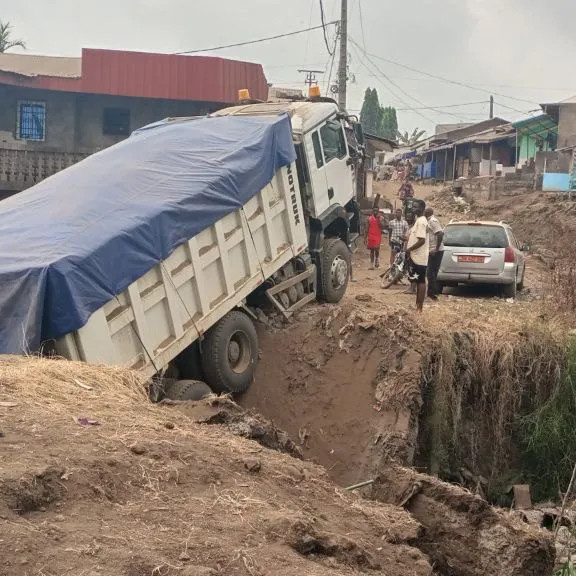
335	270
230	353
188	390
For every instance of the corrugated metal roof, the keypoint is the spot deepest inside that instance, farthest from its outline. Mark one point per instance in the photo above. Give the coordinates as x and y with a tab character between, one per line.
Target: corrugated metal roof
138	74
30	65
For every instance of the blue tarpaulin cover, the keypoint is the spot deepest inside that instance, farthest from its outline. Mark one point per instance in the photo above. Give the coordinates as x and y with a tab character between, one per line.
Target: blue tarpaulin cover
71	243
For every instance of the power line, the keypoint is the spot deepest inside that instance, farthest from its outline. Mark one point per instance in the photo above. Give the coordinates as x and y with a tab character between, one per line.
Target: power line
393	84
296	65
445	106
433	108
323	18
332	60
401	89
259	40
448	80
529	113
362	24
308	35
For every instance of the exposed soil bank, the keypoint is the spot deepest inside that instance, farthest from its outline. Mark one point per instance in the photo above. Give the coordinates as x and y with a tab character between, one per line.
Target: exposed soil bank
464	536
95	480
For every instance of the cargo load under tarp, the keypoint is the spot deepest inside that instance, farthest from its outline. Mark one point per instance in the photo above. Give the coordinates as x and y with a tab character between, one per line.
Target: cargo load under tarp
71	243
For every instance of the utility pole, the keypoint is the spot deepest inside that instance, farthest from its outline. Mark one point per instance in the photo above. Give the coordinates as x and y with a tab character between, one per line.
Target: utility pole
311	76
491	107
343	65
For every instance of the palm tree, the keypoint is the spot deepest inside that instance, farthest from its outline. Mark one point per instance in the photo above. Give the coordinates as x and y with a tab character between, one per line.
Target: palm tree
6	43
408	139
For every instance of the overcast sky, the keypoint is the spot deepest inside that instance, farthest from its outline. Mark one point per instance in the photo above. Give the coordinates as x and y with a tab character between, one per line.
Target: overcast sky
517	48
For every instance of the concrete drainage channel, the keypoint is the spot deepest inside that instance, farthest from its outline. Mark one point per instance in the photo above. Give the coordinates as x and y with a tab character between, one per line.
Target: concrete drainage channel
365	395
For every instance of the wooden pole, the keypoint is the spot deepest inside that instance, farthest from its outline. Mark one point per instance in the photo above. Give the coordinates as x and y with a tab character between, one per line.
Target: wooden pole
343	65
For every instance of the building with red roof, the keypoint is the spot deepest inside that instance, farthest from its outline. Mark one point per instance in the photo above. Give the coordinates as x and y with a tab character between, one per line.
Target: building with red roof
56	111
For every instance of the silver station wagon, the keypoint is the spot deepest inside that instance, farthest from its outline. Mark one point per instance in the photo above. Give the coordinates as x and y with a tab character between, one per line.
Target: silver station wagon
482	253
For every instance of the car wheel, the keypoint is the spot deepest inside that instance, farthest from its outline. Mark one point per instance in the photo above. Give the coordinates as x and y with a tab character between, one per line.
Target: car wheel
509	290
521	283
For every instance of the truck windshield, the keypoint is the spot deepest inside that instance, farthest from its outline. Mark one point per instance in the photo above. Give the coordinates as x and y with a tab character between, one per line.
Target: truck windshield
475	236
333	140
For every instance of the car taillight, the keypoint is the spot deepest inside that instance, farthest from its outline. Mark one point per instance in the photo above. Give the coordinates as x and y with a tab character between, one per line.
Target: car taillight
509	255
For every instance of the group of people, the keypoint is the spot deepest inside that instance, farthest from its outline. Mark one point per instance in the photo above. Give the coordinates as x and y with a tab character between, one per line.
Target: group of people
420	234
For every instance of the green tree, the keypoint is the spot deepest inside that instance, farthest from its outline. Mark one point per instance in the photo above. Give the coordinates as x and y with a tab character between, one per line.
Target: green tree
6	41
377	120
388	123
409	139
371	113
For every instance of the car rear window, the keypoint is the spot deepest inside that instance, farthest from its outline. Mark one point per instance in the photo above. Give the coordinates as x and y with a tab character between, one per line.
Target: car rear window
475	236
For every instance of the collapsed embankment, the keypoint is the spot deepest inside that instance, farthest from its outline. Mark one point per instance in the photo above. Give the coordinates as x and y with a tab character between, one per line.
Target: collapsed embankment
484	405
96	480
500	412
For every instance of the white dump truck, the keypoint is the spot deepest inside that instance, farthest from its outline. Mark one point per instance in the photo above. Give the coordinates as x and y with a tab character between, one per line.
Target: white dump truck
189	314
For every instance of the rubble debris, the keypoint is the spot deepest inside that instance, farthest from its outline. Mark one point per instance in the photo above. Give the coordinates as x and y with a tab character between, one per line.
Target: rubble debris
84	421
223	410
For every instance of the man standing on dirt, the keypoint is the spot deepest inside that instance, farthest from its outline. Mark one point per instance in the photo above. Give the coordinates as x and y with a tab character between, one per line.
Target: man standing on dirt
417	253
398	232
374	237
436	246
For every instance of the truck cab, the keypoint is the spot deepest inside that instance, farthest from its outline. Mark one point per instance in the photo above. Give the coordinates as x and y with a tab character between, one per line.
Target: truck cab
328	146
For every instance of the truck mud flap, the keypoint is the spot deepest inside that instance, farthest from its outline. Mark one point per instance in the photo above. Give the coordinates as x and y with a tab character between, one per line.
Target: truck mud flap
275	292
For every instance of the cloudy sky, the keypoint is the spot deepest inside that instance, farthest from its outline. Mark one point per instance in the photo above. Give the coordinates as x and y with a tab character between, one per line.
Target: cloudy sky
519	50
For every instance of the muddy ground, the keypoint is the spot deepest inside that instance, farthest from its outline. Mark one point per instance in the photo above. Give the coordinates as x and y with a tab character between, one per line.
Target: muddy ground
94	480
344	381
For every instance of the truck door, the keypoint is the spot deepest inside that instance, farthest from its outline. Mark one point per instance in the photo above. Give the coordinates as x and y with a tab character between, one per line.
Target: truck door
331	176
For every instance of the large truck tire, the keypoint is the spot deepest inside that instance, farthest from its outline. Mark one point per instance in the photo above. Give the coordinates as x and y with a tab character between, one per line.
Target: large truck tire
335	272
188	390
230	354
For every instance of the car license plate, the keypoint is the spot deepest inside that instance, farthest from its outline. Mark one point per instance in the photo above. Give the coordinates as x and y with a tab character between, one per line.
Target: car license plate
474	259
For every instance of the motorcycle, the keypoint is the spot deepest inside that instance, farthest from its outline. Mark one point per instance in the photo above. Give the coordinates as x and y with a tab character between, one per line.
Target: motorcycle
397	272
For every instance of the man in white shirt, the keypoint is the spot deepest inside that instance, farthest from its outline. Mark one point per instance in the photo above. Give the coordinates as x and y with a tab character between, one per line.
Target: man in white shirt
435	241
417	253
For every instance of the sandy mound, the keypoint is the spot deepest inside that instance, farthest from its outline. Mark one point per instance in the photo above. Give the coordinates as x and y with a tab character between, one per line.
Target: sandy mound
94	480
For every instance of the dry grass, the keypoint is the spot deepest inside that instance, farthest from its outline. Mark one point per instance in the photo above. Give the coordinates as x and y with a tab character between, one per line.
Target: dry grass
564	286
66	390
